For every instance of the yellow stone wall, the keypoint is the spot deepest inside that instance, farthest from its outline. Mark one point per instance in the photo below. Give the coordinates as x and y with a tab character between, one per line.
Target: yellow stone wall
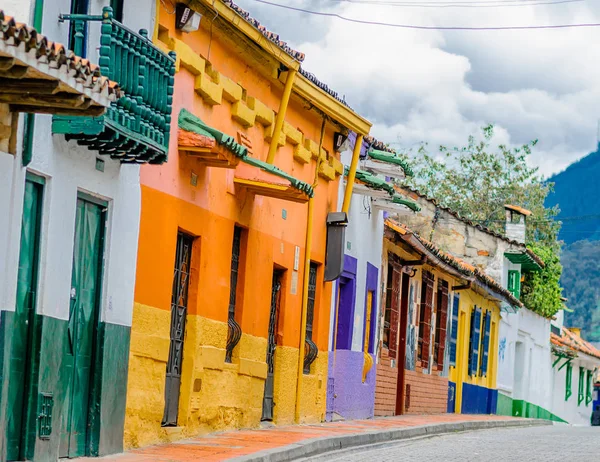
215	395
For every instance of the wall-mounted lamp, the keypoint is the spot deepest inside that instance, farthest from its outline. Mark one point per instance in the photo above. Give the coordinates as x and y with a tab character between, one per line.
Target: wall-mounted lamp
186	19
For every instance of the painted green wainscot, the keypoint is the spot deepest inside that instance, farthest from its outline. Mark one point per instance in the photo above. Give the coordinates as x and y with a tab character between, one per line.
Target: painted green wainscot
520	408
50	375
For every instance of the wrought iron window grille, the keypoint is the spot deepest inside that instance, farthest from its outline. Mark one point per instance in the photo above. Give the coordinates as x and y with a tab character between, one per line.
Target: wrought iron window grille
310	350
234	331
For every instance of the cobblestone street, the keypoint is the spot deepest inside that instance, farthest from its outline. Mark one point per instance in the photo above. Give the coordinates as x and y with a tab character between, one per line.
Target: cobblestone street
562	443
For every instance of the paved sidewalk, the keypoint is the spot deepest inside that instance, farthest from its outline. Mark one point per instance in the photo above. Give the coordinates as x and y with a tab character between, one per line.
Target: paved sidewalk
280	443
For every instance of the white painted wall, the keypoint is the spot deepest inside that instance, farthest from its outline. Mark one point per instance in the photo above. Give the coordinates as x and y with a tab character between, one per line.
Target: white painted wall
569	410
364	241
21	10
529	376
69	168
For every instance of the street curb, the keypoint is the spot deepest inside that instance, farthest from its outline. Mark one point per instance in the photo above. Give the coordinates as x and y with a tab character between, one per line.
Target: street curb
316	446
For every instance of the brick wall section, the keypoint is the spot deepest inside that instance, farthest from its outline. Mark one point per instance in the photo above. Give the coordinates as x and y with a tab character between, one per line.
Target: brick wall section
385	387
428	393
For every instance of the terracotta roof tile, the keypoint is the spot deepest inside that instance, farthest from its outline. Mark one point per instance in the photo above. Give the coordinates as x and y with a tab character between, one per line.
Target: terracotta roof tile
297	55
272	36
518	209
458	264
573	342
463	219
56	55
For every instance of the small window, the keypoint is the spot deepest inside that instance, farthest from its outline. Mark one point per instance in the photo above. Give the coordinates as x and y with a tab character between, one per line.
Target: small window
117	6
514	283
454	333
310	351
568	383
387	321
425	311
485	343
589	388
79	7
235	331
441	319
474	341
580	394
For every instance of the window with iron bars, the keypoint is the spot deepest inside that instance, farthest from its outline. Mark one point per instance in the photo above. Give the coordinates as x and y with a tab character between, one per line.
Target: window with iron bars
311	351
234	332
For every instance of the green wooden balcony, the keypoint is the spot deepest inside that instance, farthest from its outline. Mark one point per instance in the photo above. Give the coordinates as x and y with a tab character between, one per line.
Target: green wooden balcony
136	127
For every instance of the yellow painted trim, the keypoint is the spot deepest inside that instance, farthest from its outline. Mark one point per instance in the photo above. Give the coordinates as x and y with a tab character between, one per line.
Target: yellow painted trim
226	13
308	248
302	86
326	171
280	118
368	360
352	174
331	106
301	154
260	184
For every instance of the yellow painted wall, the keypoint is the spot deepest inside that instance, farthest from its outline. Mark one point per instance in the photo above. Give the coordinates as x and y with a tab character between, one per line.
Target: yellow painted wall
230	91
468	300
459	374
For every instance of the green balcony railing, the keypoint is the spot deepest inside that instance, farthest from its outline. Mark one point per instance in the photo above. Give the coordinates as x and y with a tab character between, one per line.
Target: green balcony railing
135	128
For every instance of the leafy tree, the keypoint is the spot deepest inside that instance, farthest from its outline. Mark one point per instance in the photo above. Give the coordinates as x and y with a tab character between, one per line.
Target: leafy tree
541	290
476	181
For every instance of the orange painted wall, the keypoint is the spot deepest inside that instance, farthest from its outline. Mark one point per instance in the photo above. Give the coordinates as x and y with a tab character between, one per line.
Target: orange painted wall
210	209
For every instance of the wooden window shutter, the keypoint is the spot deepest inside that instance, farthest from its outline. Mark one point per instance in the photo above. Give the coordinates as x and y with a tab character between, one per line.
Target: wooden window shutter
394	318
580	395
486	344
426	322
568	383
454	332
443	319
475	334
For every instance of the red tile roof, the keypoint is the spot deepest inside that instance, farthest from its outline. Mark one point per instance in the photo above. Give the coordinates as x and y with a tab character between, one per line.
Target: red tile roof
297	55
516	208
466	269
468	221
573	342
53	58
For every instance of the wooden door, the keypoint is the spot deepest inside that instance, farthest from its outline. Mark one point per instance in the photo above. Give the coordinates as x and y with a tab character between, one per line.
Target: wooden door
401	384
82	327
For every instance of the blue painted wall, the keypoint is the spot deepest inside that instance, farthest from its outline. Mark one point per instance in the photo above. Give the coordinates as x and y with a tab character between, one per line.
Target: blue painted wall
478	400
451	396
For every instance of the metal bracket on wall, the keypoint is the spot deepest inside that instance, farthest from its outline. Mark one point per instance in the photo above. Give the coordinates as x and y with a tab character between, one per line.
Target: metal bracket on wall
462	287
564	364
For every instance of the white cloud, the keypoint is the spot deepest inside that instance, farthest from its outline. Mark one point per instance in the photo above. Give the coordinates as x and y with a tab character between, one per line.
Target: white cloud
441	86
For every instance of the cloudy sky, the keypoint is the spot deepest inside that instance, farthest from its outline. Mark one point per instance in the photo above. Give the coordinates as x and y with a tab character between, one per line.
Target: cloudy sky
441	86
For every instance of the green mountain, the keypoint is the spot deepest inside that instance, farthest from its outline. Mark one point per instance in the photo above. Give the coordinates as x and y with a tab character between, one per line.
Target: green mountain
577	194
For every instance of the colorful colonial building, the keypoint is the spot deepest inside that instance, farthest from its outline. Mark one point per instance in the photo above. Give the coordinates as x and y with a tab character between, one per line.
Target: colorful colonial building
356	301
575	365
70	204
439	330
232	314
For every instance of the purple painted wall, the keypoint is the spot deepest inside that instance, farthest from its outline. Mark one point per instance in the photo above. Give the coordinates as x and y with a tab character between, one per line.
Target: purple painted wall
371	286
351	399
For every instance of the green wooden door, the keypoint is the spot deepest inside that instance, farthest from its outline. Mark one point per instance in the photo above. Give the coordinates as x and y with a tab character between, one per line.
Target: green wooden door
20	362
83	321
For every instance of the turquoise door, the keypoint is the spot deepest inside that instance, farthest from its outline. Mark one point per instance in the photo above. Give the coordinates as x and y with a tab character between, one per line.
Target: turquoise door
20	370
83	321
